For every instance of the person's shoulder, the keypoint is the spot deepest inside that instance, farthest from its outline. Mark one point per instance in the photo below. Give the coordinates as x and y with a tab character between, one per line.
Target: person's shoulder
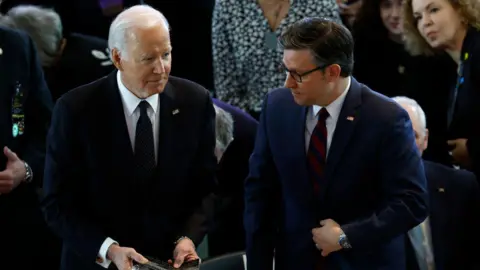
280	95
461	178
82	97
17	39
241	118
382	106
187	88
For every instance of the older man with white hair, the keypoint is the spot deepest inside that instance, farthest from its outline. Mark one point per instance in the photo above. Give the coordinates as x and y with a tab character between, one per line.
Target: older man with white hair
130	159
443	240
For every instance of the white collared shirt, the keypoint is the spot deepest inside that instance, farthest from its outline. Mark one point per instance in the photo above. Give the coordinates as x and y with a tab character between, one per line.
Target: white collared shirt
132	112
333	109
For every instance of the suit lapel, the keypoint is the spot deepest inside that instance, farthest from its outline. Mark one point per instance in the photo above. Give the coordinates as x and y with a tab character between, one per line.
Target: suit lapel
345	126
298	141
118	131
169	112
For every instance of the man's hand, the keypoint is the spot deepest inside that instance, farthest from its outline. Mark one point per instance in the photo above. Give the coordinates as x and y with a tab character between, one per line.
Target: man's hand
184	252
123	257
14	172
326	237
459	152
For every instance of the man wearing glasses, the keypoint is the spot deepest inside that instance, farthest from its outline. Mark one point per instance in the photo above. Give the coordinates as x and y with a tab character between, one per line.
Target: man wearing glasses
335	178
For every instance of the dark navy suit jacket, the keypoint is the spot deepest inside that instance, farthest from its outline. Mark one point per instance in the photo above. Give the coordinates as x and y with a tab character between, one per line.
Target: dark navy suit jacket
26	235
454	218
375	185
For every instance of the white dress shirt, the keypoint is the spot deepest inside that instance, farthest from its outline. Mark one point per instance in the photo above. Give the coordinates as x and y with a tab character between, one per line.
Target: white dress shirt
333	110
421	239
132	113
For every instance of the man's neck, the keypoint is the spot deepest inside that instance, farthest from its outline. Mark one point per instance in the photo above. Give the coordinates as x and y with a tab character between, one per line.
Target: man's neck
340	87
139	93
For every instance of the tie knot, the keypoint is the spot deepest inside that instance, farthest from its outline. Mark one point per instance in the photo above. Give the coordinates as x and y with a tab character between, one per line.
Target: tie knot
143	107
323	114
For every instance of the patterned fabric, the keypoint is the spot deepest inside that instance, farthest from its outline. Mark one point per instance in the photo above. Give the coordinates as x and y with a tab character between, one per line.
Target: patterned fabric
317	151
245	68
144	145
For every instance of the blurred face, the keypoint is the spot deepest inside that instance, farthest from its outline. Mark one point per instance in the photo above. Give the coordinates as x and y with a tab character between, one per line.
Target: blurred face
316	88
147	66
421	133
390	12
438	22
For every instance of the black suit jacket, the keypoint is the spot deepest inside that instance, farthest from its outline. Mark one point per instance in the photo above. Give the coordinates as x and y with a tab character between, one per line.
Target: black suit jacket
454	217
231	173
466	111
20	214
90	191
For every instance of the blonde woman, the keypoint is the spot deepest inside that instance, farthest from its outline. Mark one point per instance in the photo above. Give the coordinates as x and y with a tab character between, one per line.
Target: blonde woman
452	26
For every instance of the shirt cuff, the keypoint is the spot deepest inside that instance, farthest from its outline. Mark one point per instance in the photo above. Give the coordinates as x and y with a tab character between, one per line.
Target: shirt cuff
102	254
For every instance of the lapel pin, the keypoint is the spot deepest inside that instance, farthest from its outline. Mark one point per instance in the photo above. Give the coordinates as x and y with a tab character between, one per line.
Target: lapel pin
1	51
441	190
176	111
350	118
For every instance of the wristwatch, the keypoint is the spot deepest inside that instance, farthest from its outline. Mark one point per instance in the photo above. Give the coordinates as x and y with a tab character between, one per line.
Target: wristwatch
343	241
180	239
28	173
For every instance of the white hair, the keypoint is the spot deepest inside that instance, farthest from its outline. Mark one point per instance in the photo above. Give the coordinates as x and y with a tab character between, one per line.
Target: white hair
223	128
416	108
139	16
43	25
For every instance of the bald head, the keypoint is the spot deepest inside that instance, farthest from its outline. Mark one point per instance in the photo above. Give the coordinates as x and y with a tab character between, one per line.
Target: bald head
124	29
418	119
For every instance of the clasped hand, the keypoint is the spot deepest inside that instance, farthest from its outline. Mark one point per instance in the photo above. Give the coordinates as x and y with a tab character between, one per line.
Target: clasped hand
14	172
326	237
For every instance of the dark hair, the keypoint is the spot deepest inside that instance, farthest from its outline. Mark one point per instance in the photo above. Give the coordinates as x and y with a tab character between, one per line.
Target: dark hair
368	21
329	42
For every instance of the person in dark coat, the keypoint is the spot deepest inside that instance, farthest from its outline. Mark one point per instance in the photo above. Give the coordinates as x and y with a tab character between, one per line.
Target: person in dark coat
25	111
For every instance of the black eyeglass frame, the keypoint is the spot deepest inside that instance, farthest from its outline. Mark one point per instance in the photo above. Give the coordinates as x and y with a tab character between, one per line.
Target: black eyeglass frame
298	77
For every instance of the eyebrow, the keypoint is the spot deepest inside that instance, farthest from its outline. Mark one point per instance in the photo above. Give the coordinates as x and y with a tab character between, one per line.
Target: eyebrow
426	7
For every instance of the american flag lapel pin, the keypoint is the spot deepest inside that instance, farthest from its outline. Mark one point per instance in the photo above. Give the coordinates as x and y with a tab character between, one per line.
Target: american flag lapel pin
350	118
176	111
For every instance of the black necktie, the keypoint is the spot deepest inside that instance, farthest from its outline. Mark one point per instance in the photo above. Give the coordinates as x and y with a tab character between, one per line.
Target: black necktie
144	145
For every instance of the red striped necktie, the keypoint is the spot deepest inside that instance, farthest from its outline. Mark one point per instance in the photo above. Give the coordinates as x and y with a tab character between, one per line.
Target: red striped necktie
317	151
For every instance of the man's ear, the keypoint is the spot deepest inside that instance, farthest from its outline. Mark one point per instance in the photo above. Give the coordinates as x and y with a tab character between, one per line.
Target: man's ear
116	58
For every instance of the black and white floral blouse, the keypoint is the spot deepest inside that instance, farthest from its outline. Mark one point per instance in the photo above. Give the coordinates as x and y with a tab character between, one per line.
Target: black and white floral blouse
245	67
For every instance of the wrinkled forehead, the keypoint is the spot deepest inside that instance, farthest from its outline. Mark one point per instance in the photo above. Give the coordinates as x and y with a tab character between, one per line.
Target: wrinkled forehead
144	38
419	6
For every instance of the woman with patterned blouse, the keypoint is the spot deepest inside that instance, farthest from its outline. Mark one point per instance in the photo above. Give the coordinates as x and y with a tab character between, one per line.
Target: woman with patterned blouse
246	58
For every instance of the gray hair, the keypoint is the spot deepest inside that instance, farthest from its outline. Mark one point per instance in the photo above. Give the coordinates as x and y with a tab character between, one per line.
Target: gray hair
139	16
223	128
5	21
43	25
412	103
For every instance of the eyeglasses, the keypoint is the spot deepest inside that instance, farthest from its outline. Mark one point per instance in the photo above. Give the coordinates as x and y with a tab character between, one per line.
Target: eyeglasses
298	77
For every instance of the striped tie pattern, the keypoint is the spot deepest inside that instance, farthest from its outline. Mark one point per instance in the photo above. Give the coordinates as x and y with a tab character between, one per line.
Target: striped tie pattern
317	151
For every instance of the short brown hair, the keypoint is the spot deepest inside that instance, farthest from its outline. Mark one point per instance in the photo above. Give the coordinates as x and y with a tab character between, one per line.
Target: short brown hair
329	42
415	43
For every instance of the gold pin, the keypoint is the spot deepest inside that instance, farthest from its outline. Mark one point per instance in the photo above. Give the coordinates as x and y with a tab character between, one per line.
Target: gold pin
350	118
